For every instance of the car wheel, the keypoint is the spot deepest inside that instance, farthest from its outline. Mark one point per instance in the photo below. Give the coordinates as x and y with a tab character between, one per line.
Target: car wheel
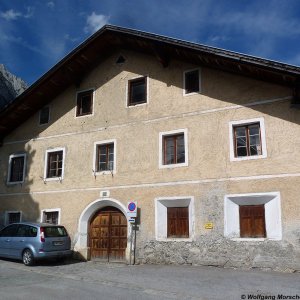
28	259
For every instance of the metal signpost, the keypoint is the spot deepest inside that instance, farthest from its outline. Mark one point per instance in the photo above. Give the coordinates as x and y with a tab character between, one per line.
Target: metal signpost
131	215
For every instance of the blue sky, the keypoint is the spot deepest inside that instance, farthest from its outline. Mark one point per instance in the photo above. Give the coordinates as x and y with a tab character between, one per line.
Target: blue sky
36	34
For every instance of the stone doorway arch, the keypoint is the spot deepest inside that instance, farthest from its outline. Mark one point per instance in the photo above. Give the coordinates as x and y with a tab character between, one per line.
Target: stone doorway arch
81	244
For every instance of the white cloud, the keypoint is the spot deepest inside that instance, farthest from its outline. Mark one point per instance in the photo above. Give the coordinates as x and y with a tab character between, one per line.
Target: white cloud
11	15
50	4
95	22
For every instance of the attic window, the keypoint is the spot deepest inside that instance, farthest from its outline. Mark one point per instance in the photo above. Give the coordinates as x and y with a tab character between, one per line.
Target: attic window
120	60
44	115
84	103
137	91
191	82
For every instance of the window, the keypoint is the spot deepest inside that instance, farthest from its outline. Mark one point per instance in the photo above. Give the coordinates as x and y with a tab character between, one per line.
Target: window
173	149
174	218
253	216
13	217
54	164
16	168
247	139
26	231
137	91
84	103
44	115
10	231
252	221
51	216
191	82
104	157
178	222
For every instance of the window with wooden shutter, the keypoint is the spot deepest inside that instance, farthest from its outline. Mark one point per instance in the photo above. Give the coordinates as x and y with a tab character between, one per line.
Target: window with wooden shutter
178	222
252	221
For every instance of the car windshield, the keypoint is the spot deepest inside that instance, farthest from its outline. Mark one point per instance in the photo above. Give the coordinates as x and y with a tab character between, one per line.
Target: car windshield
56	231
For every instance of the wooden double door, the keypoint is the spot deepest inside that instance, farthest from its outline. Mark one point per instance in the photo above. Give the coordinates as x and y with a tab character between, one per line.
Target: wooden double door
108	235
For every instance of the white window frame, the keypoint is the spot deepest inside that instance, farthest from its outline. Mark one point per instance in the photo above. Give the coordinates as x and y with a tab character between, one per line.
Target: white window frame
93	107
161	217
127	91
184	89
108	172
10	165
50	210
40	116
7	212
272	203
161	156
46	164
233	124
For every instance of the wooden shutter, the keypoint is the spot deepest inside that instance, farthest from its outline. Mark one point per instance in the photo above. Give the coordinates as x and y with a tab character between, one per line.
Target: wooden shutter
252	221
178	222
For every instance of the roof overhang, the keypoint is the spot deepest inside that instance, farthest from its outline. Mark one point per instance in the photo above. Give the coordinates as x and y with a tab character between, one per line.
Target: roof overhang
72	68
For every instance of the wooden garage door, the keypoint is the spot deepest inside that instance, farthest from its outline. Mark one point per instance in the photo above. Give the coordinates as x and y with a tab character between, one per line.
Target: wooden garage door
108	235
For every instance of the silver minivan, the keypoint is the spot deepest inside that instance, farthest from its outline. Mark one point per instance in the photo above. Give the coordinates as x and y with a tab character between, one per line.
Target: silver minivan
33	241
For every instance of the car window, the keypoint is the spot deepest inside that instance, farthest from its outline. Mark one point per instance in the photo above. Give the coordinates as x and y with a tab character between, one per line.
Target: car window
56	231
27	231
9	231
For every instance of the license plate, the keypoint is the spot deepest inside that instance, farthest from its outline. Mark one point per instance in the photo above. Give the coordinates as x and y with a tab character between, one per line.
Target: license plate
59	243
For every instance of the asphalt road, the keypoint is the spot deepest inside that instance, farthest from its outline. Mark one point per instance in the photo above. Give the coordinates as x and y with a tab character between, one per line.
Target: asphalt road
92	280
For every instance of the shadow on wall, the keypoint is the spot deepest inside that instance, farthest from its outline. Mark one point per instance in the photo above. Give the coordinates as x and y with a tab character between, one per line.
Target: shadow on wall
16	198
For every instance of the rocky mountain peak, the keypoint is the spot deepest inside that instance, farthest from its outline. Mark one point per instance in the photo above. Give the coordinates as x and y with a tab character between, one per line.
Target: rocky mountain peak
10	86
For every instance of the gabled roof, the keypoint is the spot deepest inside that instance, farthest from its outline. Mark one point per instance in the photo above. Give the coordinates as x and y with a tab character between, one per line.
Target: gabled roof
100	45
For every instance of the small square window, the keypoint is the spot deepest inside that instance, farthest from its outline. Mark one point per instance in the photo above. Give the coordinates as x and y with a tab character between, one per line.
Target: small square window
84	103
191	82
50	217
137	91
44	115
13	217
16	171
54	164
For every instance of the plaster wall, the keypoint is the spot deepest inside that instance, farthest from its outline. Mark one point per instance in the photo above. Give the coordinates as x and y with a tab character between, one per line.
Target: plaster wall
208	177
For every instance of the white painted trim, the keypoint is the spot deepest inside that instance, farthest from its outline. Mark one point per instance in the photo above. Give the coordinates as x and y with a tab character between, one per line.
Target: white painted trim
46	164
262	134
93	99
184	89
136	123
39	117
161	205
50	210
7	212
160	149
9	168
157	184
273	221
81	237
147	91
114	171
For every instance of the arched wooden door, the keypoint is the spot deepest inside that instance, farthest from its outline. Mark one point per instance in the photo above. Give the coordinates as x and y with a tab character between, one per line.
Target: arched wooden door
108	235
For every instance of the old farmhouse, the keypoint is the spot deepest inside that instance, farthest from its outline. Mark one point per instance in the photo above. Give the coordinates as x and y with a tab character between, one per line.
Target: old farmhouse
204	140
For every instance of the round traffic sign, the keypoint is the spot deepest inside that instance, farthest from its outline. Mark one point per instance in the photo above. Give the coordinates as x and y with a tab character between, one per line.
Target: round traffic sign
131	206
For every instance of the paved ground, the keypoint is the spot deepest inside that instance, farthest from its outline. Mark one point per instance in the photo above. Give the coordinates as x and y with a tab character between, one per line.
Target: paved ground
91	280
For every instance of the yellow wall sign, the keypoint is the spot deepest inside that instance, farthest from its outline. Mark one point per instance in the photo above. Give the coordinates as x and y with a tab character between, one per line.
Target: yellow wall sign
209	225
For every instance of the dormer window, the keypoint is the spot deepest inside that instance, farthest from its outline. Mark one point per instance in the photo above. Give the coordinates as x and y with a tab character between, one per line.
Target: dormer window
84	103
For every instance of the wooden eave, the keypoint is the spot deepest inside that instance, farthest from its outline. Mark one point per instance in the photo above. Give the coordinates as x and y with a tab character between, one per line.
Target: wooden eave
71	69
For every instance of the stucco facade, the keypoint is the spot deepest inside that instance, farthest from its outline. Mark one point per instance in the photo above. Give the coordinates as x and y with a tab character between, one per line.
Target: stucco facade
211	183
